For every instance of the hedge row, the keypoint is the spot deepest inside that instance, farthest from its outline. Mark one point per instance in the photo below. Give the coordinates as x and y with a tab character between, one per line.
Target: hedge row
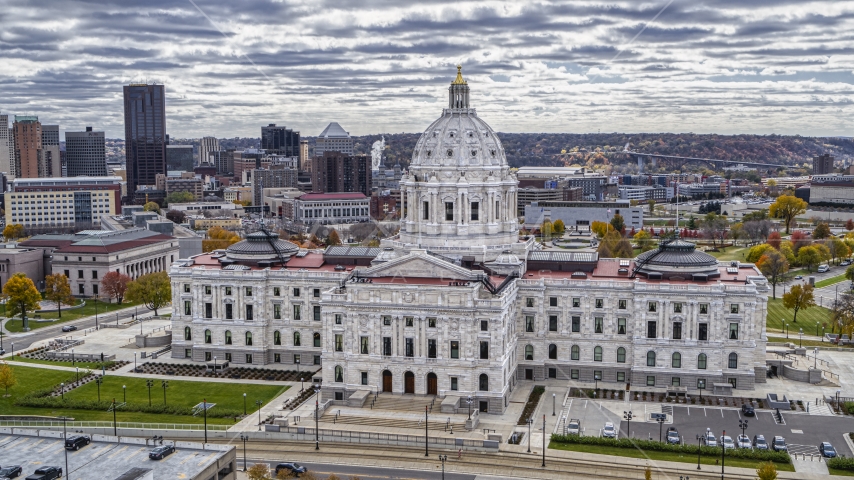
745	453
842	463
531	404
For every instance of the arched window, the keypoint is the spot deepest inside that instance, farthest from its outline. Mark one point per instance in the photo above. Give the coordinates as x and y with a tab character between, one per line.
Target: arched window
483	384
733	360
676	360
650	358
575	352
228	337
188	333
317	340
597	354
207	336
339	373
248	338
621	355
553	352
297	340
701	361
277	338
529	352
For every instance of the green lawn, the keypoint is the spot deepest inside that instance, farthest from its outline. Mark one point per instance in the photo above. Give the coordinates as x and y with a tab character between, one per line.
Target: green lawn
663	456
793	338
807	319
844	473
82	365
15	325
180	392
731	253
830	281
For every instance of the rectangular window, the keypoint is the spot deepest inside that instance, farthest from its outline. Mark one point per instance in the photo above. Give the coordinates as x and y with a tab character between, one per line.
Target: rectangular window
621	376
677	331
431	348
364	378
576	324
484	325
576	303
622	304
454	385
186	286
621	326
80	274
529	302
248	358
277	311
386	320
733	382
703	332
228	311
297	312
208	310
475	210
704	309
228	291
409	345
337	319
227	357
296	292
650	380
297	359
573	374
188	353
600	303
677	308
484	350
249	315
339	343
363	345
675	382
94	274
425	210
455	349
409	321
733	331
248	291
188	307
277	291
552	301
552	323
316	312
552	373
651	329
449	211
277	358
652	307
597	324
431	322
529	323
387	346
316	293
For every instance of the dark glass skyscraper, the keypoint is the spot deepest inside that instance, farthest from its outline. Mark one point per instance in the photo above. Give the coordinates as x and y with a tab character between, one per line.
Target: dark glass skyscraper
280	140
145	134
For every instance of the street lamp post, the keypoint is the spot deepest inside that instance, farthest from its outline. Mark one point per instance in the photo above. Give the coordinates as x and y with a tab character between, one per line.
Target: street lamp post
723	455
553	404
98	381
13	351
301	381
64	437
165	385
426	433
701	384
596	379
801	333
149	384
699	439
62	390
316	420
742	424
530	421
205	408
660	421
627	416
815	358
544	441
214	366
244	438
115	431
297	360
96	313
77	375
72	357
443	458
469	401
134	361
124	393
787	330
259	403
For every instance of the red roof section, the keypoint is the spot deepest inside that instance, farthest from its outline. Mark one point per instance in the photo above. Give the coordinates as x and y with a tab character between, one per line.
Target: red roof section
332	196
115	247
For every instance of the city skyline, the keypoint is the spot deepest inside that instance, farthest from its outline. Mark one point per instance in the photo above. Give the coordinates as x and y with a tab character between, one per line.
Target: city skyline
670	66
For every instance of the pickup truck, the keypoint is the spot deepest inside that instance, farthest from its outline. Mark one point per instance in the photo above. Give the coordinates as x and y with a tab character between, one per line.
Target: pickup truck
46	473
574	427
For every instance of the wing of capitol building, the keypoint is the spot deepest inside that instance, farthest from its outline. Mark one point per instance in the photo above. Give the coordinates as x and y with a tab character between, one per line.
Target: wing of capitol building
458	305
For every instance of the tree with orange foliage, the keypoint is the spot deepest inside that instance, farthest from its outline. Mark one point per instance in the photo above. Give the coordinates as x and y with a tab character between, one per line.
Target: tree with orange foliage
219	238
774	240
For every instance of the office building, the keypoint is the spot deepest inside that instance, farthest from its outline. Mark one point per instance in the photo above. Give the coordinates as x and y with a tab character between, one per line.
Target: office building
304	163
333	138
179	157
85	154
51	161
277	176
62	202
28	146
822	164
7	149
223	161
332	208
145	134
579	216
643	193
207	145
280	140
339	172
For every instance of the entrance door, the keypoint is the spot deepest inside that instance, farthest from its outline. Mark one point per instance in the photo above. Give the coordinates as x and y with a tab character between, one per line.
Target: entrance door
529	374
408	382
386	381
432	388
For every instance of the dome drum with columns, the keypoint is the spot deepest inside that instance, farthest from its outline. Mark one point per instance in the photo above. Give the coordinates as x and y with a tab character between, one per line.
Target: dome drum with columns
459	191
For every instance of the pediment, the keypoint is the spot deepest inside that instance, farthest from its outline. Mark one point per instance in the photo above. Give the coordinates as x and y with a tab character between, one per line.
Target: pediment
419	264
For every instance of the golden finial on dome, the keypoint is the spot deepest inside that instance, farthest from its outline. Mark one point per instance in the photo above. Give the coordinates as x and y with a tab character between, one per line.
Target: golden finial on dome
459	80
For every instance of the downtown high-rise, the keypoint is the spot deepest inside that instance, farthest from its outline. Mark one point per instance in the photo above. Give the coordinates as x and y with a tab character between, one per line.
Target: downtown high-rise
280	140
145	134
85	154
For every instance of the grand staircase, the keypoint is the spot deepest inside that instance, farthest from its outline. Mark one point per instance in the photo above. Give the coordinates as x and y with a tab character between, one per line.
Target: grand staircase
403	403
436	424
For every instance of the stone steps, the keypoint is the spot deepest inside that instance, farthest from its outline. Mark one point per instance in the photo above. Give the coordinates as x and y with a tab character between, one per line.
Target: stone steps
390	422
404	403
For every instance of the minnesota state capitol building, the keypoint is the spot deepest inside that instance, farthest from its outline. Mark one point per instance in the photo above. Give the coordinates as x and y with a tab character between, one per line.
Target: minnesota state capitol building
458	304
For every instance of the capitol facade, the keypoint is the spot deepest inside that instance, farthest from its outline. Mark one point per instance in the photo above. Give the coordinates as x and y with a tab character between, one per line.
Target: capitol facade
459	305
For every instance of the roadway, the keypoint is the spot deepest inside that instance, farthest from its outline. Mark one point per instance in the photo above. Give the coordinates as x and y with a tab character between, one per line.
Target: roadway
378	473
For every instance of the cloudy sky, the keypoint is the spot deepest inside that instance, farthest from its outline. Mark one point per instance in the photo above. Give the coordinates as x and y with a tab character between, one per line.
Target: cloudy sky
727	66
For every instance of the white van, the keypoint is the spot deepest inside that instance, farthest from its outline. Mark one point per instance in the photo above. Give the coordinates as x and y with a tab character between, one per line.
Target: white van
823	268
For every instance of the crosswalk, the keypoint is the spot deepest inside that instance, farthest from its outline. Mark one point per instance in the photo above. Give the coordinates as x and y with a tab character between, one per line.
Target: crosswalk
797	449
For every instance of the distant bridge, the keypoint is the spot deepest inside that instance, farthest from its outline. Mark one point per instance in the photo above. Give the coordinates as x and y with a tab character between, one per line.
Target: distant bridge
678	162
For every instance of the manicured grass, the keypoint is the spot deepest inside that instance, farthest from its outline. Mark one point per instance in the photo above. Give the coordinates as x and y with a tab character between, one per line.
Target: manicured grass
184	393
807	319
830	281
88	310
662	456
793	338
82	365
730	254
844	473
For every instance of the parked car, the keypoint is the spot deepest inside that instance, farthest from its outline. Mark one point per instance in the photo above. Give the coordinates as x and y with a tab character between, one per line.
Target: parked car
845	263
45	473
779	444
827	450
747	411
2	352
823	268
69	328
77	441
759	442
673	436
11	471
727	442
574	427
743	441
608	431
294	468
161	452
709	439
799	277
